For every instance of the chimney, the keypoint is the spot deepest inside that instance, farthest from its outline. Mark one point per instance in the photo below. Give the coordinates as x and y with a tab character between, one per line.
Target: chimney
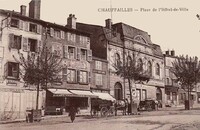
71	21
108	23
23	10
34	9
172	53
167	53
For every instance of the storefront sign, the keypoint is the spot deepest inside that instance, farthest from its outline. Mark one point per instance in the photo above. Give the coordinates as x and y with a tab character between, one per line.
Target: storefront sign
99	71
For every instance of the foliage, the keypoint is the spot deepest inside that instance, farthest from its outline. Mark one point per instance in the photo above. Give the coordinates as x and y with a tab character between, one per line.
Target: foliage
41	67
131	70
187	71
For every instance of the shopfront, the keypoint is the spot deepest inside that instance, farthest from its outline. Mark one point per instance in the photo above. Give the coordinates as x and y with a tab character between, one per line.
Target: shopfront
62	99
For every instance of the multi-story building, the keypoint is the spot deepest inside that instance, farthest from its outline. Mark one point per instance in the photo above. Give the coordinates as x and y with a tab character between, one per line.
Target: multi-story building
175	95
24	32
18	34
121	41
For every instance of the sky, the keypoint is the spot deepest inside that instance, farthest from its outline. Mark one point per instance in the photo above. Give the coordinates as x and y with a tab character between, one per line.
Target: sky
171	29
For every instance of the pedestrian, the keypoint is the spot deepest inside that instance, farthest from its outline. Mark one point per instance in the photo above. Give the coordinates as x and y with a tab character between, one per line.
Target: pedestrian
129	108
115	105
72	113
125	106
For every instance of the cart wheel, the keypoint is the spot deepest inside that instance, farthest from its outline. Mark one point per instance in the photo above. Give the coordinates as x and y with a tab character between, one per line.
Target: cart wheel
104	111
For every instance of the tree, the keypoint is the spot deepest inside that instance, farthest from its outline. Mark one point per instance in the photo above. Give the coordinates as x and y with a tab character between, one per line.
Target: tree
132	71
40	68
187	71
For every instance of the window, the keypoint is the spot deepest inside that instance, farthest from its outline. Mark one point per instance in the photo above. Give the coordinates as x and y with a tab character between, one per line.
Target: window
129	60
33	28
33	45
157	69
15	41
117	59
12	70
83	39
167	81
64	73
98	65
149	68
57	33
140	64
83	77
144	94
71	37
14	23
99	79
168	95
57	49
71	75
138	95
71	52
83	54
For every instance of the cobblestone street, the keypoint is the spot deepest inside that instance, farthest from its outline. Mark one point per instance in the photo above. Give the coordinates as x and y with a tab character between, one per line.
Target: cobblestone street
168	119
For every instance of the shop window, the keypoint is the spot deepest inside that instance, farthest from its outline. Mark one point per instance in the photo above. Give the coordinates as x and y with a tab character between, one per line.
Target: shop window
33	27
33	44
71	75
98	65
14	23
12	70
168	95
99	79
144	94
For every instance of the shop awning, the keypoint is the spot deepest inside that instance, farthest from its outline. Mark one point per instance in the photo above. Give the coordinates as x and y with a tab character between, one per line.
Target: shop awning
83	93
61	93
104	96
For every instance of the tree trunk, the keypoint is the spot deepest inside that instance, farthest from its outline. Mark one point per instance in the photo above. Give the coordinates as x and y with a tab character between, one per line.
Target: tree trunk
131	97
188	97
37	98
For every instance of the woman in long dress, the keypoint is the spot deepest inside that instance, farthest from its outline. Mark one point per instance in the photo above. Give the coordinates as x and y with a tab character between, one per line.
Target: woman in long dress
72	113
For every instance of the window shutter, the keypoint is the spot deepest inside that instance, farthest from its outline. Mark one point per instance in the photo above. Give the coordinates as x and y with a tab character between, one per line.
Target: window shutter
78	75
64	73
65	51
89	56
11	40
39	46
8	22
78	57
68	36
88	40
21	24
19	42
6	70
78	39
39	29
25	44
89	77
51	32
26	26
62	35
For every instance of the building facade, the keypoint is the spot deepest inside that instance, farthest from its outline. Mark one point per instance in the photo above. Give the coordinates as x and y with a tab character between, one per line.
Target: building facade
17	35
175	95
119	42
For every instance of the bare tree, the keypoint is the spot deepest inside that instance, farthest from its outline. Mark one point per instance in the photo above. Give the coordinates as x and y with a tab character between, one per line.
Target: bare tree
187	71
131	71
40	68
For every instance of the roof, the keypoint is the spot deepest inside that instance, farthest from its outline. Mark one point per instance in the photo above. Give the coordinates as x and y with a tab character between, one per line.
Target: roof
42	22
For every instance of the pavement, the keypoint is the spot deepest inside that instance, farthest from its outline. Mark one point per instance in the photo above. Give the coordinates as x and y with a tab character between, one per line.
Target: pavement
162	111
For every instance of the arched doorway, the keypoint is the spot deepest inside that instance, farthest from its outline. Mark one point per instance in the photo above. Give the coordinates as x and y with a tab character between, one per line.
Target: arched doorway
118	91
159	96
